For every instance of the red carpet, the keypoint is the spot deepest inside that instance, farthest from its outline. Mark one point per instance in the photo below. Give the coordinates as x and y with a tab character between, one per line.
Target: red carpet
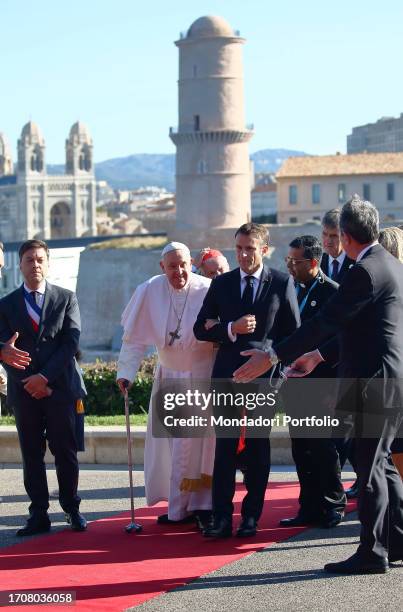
111	570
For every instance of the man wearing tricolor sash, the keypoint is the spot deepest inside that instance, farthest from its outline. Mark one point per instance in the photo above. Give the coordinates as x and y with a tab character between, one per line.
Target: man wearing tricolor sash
44	321
162	313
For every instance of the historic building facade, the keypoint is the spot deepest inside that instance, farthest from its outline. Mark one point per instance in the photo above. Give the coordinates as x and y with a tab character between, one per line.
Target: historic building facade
35	204
309	186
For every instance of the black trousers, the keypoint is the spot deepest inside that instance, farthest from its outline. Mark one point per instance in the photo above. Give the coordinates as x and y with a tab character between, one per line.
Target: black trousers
319	474
256	458
51	418
380	494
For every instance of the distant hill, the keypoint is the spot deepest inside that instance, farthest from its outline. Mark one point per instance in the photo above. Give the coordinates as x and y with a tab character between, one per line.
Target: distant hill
159	169
270	160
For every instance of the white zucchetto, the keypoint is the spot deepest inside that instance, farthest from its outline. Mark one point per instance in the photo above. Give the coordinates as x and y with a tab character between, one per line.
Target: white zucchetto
175	246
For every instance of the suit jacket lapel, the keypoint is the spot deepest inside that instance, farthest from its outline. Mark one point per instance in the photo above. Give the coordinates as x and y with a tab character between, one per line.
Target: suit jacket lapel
346	264
324	264
23	312
236	286
264	284
47	308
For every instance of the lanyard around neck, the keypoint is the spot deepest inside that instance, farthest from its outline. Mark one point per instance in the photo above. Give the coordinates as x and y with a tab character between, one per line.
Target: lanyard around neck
304	301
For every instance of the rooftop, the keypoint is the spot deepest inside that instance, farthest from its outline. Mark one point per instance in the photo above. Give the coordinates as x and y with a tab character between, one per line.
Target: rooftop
342	165
208	26
32	132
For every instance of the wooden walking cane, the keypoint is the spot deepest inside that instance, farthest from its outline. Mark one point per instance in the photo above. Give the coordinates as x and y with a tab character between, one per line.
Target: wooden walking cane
132	526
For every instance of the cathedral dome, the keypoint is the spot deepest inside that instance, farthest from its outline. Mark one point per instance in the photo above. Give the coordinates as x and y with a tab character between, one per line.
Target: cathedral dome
31	132
80	133
5	149
210	26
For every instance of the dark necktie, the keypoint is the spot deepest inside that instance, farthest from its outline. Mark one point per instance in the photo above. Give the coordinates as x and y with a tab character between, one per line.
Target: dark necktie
247	296
335	269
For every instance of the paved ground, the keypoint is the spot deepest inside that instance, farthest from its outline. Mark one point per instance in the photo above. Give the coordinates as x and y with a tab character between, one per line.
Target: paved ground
284	577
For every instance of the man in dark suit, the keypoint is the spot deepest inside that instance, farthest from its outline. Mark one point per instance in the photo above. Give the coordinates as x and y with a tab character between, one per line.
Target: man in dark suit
45	321
322	499
250	304
367	313
335	263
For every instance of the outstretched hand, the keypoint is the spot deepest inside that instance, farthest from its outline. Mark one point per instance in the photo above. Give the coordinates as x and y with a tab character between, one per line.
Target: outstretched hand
13	356
304	365
257	365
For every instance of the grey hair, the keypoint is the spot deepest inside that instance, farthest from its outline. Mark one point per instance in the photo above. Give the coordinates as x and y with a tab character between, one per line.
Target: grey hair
391	238
360	220
331	218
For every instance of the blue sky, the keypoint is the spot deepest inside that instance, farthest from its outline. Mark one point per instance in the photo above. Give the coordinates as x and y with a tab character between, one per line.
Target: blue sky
313	69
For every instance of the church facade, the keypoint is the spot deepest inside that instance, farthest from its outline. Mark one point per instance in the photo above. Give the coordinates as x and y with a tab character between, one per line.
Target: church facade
35	204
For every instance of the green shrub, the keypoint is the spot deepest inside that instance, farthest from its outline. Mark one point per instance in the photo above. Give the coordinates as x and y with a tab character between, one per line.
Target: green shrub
104	397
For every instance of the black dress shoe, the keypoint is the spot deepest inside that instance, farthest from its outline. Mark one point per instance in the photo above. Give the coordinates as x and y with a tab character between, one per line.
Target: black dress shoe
76	520
395	558
352	492
37	523
203	518
164	520
247	528
221	528
332	518
299	521
355	565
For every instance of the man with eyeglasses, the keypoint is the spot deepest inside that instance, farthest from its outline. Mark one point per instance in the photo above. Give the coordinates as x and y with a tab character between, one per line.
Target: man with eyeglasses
322	499
367	315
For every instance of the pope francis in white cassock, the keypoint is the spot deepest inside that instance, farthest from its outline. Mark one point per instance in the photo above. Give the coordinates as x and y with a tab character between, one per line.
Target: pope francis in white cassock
162	312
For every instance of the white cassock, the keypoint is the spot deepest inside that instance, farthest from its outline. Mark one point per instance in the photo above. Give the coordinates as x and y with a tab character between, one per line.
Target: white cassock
177	470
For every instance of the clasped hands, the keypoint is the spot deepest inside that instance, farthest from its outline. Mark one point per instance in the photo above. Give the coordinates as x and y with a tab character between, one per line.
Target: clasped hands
36	385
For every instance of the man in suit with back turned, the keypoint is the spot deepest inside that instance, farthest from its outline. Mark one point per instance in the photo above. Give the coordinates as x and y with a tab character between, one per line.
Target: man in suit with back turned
251	304
367	313
44	321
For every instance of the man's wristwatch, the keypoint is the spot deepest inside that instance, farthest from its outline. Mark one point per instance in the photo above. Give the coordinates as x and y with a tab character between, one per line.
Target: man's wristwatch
273	355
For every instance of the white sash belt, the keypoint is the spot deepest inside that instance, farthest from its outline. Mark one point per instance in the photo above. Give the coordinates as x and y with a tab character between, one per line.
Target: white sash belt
174	359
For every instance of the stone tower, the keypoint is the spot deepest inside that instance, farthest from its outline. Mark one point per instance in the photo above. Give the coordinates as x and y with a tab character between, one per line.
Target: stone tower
31	151
212	162
6	160
80	168
79	150
30	211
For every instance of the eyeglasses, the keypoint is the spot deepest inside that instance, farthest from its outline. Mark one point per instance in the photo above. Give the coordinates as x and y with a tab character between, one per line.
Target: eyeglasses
294	262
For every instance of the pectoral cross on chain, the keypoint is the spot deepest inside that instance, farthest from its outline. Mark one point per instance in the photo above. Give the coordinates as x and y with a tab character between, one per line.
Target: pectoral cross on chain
174	335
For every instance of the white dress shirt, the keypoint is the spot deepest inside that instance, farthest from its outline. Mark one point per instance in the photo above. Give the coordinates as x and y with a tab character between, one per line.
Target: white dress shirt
40	293
362	253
